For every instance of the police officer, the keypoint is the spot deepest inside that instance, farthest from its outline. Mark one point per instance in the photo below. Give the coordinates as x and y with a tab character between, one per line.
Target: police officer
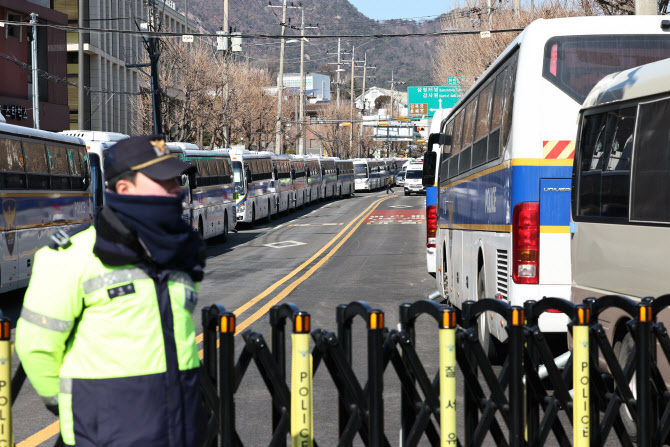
106	334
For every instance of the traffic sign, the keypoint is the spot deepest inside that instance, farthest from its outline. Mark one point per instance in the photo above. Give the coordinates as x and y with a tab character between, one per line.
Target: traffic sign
423	101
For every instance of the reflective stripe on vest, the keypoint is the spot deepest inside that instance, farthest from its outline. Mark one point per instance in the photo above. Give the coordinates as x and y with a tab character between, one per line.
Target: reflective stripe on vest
111	278
50	323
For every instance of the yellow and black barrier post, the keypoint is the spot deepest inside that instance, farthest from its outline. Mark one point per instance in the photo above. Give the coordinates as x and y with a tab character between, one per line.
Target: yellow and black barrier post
645	418
376	378
581	420
5	382
517	318
302	417
227	379
448	434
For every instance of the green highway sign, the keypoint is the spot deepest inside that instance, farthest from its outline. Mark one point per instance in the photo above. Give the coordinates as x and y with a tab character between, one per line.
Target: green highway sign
423	101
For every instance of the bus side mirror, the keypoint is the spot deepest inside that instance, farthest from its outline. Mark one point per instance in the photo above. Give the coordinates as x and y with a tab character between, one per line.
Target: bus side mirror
438	138
429	164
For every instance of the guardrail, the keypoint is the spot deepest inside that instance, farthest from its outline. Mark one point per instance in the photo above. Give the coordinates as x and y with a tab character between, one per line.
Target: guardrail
524	403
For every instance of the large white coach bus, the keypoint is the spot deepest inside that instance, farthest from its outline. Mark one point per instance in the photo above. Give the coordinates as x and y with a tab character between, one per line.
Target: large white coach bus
45	190
253	185
370	174
505	172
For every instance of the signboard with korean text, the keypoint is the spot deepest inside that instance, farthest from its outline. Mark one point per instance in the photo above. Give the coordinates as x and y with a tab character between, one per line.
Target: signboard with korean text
423	101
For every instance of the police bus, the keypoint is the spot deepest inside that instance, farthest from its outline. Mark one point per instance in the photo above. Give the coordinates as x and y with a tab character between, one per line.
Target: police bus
282	183
345	177
314	179
299	176
328	177
46	190
253	185
505	171
210	191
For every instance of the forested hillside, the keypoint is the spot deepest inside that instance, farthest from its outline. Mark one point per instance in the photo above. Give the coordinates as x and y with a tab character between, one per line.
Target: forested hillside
408	57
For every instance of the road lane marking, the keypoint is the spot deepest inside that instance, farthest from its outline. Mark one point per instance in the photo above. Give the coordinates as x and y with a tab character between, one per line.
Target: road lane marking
284	293
284	244
297	270
41	436
50	431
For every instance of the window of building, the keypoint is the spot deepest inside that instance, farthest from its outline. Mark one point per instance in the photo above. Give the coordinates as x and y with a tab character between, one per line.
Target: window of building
13	30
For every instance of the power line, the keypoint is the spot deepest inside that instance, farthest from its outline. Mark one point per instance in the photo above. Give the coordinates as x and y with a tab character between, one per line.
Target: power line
149	34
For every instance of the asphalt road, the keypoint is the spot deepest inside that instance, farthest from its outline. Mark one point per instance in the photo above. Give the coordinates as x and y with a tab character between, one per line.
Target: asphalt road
369	247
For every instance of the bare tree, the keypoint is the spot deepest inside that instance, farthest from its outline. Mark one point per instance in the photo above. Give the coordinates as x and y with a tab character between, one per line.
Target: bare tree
468	56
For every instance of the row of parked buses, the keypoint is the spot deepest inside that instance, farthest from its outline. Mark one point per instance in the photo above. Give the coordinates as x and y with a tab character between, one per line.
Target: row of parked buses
50	183
550	185
371	173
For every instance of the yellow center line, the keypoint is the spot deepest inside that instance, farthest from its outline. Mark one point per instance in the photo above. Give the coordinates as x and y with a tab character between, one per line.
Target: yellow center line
297	270
43	435
263	310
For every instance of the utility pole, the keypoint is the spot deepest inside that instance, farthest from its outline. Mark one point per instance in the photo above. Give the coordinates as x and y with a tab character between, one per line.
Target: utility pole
365	74
301	142
226	49
36	88
351	105
81	70
280	83
339	61
303	39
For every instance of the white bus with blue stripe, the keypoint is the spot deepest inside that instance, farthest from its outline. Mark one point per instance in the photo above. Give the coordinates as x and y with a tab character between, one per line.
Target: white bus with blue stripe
505	172
255	198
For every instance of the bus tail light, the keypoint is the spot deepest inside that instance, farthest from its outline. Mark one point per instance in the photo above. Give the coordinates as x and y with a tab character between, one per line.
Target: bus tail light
431	225
526	243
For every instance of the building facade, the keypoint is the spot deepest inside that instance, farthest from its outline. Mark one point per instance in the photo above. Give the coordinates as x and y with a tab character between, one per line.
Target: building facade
111	82
316	85
16	89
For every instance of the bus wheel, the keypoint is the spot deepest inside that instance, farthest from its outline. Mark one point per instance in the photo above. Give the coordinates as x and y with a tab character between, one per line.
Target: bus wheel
225	228
629	424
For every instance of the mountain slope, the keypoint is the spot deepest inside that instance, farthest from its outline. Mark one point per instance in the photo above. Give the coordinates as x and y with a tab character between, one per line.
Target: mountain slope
409	57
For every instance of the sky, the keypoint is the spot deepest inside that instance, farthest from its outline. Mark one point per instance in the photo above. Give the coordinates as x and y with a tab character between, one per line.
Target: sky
399	9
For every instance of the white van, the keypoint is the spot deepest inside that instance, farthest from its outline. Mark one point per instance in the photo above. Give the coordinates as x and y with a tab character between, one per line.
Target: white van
413	176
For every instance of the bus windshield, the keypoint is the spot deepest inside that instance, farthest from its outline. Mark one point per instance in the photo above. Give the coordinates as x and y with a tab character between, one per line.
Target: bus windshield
575	64
361	171
238	177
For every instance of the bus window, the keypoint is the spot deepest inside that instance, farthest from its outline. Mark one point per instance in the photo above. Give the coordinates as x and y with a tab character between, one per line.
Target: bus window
497	113
615	183
482	126
468	134
238	177
510	74
361	171
456	145
36	165
11	165
96	179
446	151
651	168
591	151
59	167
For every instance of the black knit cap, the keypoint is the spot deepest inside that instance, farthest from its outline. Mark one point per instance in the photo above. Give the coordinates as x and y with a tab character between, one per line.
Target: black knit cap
146	154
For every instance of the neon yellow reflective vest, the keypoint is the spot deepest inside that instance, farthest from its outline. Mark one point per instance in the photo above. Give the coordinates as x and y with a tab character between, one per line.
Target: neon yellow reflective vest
114	346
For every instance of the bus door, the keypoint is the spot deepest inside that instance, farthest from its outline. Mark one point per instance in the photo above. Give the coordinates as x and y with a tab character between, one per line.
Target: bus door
188	183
